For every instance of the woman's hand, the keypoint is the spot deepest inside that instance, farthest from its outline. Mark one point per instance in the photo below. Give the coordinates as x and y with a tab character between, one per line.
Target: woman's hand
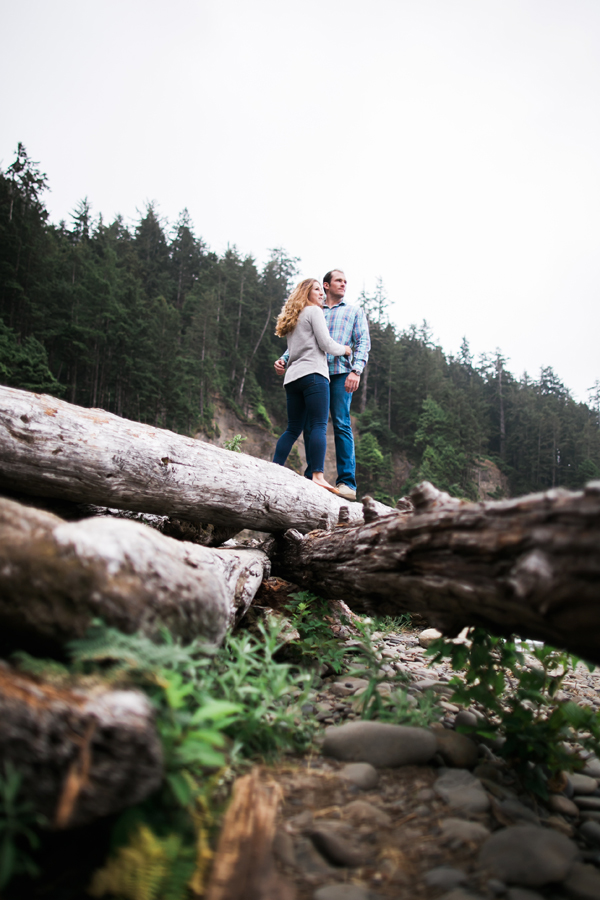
348	351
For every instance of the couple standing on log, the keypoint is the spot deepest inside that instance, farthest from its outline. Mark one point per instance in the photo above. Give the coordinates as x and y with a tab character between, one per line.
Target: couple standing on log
316	383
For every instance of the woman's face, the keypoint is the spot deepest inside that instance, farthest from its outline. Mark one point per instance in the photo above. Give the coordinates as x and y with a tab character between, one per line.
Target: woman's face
315	296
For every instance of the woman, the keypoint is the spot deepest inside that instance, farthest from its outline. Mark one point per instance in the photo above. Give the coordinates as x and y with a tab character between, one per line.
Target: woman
307	376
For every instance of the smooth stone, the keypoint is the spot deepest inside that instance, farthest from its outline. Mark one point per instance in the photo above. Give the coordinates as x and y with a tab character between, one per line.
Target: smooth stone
466	718
586	802
528	855
561	804
444	878
283	848
591	832
379	744
427	637
592	767
343	892
461	790
362	811
345	687
558	823
583	784
461	831
517	811
457	750
425	795
363	775
583	882
335	848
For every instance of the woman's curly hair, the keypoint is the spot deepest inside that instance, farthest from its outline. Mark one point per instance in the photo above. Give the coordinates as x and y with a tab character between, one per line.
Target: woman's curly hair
293	306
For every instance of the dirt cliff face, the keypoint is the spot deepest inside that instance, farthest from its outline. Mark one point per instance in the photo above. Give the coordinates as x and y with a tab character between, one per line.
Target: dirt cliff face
491	483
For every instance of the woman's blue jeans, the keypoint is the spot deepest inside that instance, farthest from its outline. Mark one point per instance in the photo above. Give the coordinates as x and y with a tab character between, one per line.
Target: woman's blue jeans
307	401
340	401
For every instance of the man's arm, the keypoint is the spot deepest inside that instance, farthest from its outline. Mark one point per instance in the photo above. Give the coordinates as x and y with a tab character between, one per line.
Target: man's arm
361	343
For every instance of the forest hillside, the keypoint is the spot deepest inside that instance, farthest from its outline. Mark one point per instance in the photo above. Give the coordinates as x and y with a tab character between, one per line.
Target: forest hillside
145	321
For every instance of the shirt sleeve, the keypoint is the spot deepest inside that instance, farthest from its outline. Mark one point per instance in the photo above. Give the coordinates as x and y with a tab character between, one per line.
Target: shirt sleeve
361	341
285	356
321	333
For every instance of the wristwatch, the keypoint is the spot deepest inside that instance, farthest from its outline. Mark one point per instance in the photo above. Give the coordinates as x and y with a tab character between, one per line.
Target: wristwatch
356	372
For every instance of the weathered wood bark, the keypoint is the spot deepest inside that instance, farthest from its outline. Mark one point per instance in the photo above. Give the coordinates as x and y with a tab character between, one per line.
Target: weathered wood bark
54	449
82	755
529	566
244	866
56	576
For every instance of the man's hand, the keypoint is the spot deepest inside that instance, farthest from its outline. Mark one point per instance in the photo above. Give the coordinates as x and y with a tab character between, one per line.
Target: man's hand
352	382
280	367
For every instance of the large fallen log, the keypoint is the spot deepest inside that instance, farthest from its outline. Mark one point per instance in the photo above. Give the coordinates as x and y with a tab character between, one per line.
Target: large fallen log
56	576
50	448
528	566
81	754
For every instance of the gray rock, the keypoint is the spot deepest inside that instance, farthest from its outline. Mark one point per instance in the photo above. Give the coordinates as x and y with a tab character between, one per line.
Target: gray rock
517	811
427	637
444	878
591	832
461	831
527	855
380	744
465	717
361	811
362	775
343	892
583	882
561	804
457	750
283	848
592	767
583	784
335	848
462	791
345	687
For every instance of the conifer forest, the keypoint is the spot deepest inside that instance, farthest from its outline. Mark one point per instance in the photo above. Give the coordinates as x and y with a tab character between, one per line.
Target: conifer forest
147	322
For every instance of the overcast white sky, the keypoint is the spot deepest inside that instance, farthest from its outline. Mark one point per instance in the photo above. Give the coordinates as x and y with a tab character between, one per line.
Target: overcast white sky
450	147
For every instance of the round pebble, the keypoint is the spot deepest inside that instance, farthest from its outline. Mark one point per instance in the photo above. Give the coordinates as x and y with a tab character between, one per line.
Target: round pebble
362	775
528	855
380	744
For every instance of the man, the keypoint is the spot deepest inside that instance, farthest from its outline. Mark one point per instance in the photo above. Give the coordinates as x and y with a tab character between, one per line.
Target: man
347	325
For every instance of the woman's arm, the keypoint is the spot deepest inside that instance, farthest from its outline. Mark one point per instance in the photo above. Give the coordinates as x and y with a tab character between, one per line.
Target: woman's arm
322	336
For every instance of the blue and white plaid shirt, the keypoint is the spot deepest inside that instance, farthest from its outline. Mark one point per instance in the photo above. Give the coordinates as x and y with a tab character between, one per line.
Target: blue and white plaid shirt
347	325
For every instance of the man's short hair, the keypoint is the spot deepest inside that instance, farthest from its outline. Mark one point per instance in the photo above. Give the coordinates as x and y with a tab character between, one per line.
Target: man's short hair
327	278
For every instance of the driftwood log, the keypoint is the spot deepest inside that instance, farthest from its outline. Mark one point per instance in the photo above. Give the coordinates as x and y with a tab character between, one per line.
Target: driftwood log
244	865
528	566
82	754
56	576
50	448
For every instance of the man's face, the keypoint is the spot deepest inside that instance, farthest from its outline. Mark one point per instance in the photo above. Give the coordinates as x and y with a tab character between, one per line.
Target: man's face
337	286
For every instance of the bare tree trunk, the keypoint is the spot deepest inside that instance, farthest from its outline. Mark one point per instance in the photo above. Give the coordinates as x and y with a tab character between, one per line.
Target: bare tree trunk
253	354
529	566
49	448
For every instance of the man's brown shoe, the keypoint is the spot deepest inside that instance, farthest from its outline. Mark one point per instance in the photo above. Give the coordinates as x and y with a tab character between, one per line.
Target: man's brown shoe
346	492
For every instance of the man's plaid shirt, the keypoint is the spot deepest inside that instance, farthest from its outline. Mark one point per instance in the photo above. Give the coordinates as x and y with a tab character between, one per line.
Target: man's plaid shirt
347	325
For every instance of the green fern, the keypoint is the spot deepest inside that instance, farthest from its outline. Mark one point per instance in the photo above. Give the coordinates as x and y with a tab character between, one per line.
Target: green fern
148	868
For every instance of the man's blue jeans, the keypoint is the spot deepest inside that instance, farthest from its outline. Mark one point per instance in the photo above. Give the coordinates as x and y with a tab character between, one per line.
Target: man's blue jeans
339	404
307	402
